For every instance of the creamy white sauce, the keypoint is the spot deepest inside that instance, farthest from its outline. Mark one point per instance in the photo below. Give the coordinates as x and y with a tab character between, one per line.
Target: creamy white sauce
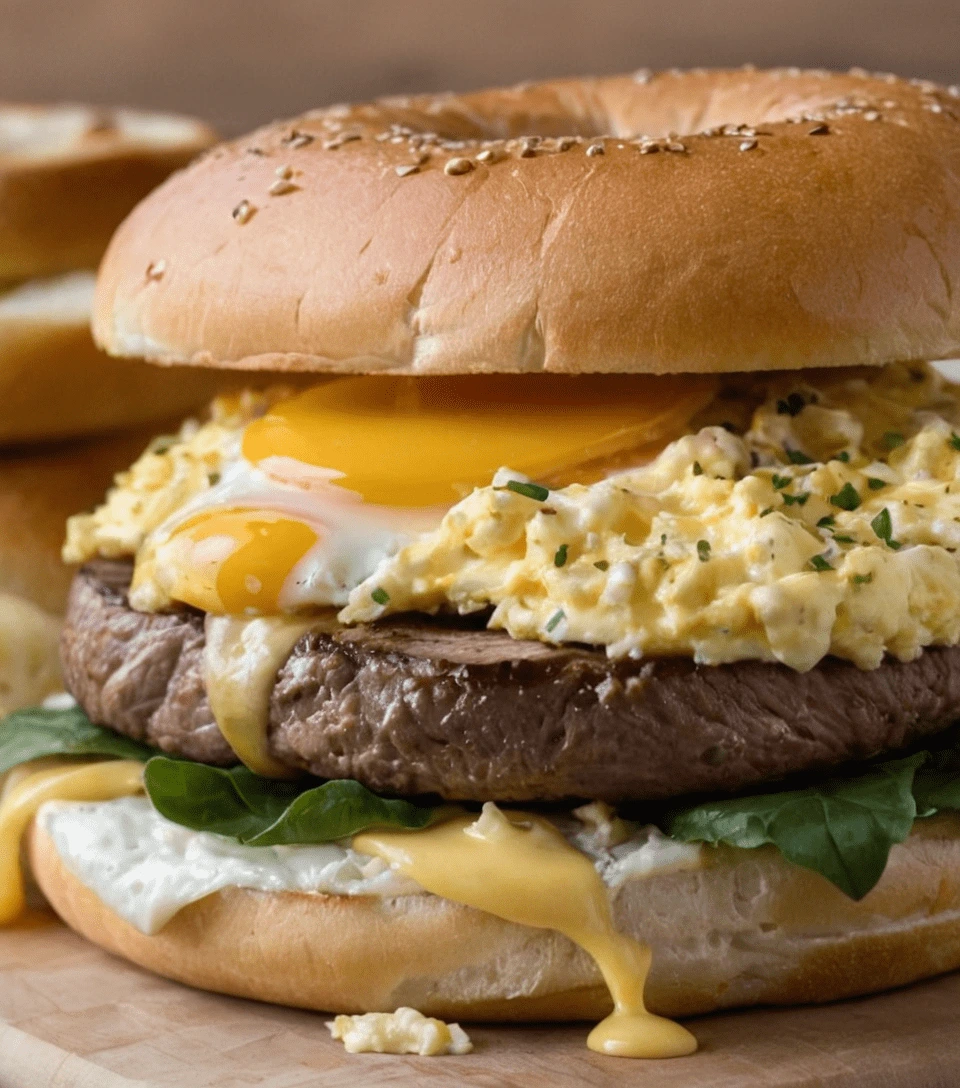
146	869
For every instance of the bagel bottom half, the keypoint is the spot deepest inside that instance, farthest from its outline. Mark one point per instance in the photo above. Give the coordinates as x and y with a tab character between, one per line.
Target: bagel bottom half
746	929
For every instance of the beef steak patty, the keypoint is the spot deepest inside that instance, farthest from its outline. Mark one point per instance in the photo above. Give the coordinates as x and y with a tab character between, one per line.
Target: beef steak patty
414	706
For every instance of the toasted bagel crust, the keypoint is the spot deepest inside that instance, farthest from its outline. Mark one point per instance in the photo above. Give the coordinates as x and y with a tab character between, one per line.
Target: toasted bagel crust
747	929
437	235
70	173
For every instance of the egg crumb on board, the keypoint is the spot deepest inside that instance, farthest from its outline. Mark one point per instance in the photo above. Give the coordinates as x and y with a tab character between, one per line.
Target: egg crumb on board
800	515
405	1031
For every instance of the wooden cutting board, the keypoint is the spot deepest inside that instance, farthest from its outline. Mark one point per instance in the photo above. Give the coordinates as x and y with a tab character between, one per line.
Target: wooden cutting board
73	1017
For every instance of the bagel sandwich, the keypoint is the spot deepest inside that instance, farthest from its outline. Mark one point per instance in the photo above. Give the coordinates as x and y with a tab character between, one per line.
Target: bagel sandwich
574	623
68	176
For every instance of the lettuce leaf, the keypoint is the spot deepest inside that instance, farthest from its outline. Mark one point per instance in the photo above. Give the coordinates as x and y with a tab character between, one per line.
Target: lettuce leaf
37	732
842	828
263	812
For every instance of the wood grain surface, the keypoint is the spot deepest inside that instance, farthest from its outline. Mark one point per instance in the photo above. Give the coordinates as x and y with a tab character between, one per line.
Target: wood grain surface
73	1017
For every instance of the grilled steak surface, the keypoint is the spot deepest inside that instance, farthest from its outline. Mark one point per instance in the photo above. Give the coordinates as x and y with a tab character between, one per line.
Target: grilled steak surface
418	706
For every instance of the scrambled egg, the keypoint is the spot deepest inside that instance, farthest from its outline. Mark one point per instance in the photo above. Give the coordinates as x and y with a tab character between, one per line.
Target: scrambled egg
804	514
405	1031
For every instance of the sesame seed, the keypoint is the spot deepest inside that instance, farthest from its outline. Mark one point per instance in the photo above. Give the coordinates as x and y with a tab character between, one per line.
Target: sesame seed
748	145
566	143
406	170
284	172
458	166
489	154
860	73
298	139
676	146
819	130
871	115
642	75
649	148
596	149
156	269
243	212
933	107
281	187
954	91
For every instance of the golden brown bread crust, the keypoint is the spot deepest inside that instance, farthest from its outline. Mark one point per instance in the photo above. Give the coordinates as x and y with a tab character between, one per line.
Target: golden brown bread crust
825	232
39	490
69	174
748	929
55	384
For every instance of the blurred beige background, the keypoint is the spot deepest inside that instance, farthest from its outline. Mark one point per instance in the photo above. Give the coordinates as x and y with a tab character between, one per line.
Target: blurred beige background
241	62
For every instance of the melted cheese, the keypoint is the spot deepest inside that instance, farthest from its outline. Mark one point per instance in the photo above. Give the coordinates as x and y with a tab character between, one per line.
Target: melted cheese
241	661
87	782
519	867
427	441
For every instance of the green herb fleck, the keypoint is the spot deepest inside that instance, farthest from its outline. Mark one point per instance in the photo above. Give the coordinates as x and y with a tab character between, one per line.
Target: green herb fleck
874	484
826	522
663	539
955	440
819	562
863	579
769	510
602	564
560	557
847	498
703	550
697	468
795	500
213	478
883	527
530	491
795	457
844	539
892	439
843	456
380	595
780	482
554	620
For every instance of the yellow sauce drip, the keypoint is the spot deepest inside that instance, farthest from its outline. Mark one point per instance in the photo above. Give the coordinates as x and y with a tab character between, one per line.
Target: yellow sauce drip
86	782
427	441
519	867
241	662
229	561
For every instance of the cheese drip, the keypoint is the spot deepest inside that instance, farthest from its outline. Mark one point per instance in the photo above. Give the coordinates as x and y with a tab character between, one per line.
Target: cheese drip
520	868
241	662
87	782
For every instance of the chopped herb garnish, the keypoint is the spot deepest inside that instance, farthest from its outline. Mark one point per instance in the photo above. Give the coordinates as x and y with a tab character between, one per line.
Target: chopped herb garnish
819	562
780	482
826	522
530	491
663	539
795	457
602	564
955	440
213	478
795	500
703	550
843	456
697	468
892	439
560	556
554	620
862	579
792	406
844	539
769	510
883	527
874	484
380	595
847	498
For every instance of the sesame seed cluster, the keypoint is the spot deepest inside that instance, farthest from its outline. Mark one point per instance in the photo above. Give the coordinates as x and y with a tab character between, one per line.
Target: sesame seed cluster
417	132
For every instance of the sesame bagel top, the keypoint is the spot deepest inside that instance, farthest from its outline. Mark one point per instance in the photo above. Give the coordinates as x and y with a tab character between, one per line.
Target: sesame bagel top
703	221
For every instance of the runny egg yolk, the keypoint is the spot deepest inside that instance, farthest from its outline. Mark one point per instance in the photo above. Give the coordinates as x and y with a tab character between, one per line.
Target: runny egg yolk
237	561
429	441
